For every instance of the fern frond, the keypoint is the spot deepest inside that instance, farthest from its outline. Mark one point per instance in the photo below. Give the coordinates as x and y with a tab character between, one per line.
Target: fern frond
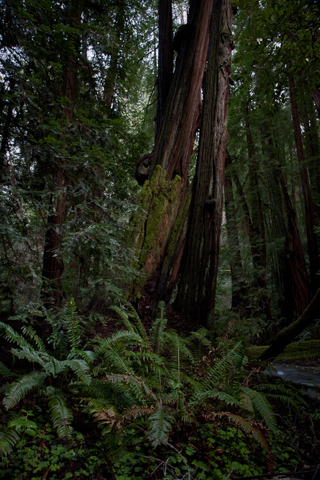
12	336
286	399
199	343
140	328
160	425
124	317
229	362
136	385
225	397
19	389
246	427
9	437
157	334
61	415
80	368
125	337
4	371
73	324
262	406
116	394
31	333
282	388
103	413
30	354
180	345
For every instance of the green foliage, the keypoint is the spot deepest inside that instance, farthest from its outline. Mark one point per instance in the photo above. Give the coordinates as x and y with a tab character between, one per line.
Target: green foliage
46	375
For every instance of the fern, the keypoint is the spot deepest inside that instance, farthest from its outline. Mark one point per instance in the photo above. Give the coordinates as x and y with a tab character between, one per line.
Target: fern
217	375
157	334
124	317
4	371
140	328
30	332
9	437
19	389
160	426
116	393
61	415
73	325
12	336
262	406
246	427
214	394
199	343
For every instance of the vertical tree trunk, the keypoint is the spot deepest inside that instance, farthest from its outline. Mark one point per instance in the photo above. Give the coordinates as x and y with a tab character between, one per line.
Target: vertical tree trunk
238	287
258	239
165	61
306	191
298	276
197	288
164	196
53	266
316	98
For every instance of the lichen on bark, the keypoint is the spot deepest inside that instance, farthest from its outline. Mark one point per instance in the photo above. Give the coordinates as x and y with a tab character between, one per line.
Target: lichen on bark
153	224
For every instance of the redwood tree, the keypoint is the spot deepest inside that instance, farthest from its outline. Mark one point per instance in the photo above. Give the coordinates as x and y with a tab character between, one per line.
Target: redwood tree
197	287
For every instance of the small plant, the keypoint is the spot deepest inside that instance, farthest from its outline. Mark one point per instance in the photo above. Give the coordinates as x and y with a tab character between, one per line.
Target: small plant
47	374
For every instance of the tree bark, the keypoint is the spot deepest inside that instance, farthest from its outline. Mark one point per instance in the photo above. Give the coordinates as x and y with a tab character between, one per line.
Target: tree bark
238	287
197	288
165	61
316	98
164	197
53	266
314	263
288	334
298	276
258	234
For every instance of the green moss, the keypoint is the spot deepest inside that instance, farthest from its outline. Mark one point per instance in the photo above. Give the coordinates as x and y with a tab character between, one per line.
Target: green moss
307	350
153	223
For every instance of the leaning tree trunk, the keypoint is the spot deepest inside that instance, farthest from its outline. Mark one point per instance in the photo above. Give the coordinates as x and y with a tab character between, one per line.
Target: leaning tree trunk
288	334
164	198
197	287
306	191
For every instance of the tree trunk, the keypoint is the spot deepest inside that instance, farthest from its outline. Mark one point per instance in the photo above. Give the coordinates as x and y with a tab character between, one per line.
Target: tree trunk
258	238
53	266
314	264
238	287
164	197
197	288
316	98
165	67
288	334
298	276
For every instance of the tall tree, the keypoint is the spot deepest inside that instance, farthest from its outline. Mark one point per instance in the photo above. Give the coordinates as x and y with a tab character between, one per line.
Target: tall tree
197	286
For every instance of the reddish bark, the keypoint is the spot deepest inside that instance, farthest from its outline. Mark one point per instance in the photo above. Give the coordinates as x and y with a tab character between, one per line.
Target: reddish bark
165	60
176	136
197	288
172	152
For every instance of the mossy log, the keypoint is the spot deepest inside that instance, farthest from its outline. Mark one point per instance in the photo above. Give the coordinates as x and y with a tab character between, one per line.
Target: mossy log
288	334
